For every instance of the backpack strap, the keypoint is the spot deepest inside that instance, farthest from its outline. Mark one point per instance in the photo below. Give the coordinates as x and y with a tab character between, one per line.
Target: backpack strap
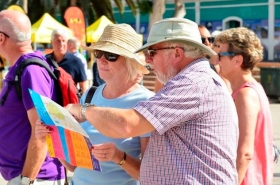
51	60
4	97
90	94
21	67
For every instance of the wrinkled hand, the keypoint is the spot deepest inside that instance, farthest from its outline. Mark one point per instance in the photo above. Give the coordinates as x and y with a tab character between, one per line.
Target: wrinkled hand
107	152
75	110
41	130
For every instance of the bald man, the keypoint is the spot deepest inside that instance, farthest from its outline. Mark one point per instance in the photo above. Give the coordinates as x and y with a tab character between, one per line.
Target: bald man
73	45
23	158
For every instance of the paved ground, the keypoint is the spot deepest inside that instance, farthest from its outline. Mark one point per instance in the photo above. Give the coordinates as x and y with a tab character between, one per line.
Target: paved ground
275	108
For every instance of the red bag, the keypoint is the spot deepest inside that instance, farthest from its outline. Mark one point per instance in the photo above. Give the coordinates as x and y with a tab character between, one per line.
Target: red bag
68	92
66	88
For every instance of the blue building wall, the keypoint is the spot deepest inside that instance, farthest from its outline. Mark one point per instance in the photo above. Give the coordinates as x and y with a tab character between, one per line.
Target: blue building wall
254	14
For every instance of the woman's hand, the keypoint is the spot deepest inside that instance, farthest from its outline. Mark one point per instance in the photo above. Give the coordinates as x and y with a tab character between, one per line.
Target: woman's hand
107	152
42	130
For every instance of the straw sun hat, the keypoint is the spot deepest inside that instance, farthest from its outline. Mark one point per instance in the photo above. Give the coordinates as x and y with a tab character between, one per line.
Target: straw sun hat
120	39
176	29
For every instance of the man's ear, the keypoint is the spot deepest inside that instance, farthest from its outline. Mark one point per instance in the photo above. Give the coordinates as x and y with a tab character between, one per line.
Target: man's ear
179	54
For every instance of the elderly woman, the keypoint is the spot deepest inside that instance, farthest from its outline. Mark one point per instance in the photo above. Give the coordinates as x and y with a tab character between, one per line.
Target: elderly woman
239	52
121	69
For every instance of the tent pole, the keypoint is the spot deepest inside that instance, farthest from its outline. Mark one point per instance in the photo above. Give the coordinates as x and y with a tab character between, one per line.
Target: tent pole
137	21
35	46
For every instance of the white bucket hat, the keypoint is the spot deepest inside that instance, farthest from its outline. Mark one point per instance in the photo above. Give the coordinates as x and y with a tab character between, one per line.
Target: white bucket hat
120	39
176	29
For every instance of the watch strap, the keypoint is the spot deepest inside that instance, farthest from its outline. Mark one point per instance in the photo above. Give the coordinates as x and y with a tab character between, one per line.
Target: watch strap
83	109
123	160
27	178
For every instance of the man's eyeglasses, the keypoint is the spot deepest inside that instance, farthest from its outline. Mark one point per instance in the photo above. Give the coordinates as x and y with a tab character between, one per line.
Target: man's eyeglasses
5	34
111	57
210	39
221	54
152	52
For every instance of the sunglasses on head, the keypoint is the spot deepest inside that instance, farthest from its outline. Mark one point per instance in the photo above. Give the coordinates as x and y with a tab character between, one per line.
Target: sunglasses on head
111	57
210	39
229	54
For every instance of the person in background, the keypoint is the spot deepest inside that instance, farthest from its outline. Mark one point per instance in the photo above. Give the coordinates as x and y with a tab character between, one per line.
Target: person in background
215	47
206	37
73	45
208	41
68	61
97	81
23	158
193	119
215	34
239	52
121	70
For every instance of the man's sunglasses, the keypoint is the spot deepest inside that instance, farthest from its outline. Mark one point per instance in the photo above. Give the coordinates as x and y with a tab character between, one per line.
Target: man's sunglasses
229	54
111	57
152	52
210	39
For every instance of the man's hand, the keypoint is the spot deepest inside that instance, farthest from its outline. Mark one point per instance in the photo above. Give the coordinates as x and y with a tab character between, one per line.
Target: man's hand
76	111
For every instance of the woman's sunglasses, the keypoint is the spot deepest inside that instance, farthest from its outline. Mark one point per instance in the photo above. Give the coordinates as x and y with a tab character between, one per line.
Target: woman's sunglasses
229	54
210	39
111	57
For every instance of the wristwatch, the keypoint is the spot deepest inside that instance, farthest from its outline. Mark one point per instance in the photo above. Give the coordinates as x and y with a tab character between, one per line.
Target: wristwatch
25	181
83	109
123	160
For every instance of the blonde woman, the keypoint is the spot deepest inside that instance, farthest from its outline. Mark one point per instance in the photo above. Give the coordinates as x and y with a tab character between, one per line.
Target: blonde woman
120	68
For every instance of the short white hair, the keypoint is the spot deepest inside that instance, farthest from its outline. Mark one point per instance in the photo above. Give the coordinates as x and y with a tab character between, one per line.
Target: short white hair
60	32
75	42
15	32
189	51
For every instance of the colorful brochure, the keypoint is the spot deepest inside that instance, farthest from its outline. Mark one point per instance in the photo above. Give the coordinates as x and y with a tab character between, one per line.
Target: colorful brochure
68	141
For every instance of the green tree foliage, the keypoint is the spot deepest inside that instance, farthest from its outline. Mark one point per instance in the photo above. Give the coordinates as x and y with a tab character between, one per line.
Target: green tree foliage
35	13
145	6
93	9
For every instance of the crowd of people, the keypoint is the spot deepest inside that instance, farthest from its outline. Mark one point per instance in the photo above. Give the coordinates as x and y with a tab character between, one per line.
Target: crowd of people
204	125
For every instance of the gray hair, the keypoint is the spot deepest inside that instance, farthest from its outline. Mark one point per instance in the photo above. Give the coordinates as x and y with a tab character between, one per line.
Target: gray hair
60	32
14	31
75	42
190	51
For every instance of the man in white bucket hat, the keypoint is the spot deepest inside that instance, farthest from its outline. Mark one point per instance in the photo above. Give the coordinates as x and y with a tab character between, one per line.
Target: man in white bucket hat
192	119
